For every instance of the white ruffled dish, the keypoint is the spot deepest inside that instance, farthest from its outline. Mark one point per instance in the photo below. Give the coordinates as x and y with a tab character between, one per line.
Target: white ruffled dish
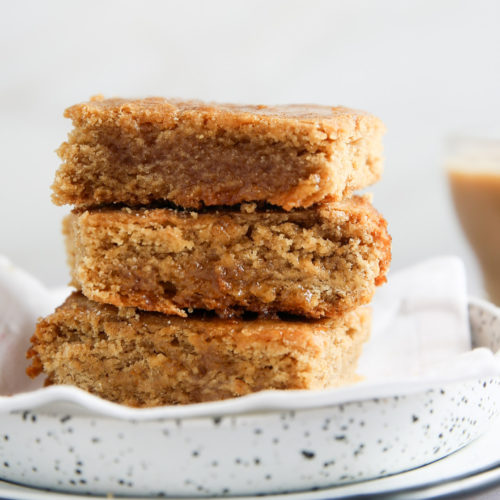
61	438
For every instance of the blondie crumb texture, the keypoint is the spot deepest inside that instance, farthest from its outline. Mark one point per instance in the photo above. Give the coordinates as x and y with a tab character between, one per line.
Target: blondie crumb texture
194	154
316	262
149	359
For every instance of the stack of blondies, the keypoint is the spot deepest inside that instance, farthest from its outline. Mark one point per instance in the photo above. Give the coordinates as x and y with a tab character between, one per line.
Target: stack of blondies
217	250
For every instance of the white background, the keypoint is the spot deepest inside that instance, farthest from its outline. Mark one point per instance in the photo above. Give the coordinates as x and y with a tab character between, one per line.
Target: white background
425	67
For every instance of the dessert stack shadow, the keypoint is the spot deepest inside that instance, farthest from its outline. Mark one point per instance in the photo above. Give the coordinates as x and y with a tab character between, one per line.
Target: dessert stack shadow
217	250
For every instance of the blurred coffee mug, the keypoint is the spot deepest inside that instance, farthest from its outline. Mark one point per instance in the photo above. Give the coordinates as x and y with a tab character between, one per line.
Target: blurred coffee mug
473	168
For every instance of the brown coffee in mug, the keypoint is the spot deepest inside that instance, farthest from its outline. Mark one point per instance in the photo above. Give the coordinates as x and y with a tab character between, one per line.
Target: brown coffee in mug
473	167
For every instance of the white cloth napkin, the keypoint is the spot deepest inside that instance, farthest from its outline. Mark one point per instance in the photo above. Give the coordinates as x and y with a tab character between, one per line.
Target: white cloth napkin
420	320
420	339
23	300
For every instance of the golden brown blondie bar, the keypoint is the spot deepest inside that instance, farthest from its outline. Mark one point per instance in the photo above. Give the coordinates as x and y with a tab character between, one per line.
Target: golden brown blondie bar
194	154
315	262
149	359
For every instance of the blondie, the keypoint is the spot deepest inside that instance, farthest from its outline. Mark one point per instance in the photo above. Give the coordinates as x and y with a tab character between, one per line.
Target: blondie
195	154
149	359
316	262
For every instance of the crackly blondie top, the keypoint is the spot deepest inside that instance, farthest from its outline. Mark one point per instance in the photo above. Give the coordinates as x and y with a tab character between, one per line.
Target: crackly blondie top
149	359
193	154
314	262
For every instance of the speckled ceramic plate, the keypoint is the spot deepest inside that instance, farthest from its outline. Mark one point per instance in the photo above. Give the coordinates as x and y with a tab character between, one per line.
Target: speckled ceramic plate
468	471
54	439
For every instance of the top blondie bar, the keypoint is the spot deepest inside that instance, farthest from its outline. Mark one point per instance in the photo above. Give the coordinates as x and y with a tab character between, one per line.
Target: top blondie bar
193	154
